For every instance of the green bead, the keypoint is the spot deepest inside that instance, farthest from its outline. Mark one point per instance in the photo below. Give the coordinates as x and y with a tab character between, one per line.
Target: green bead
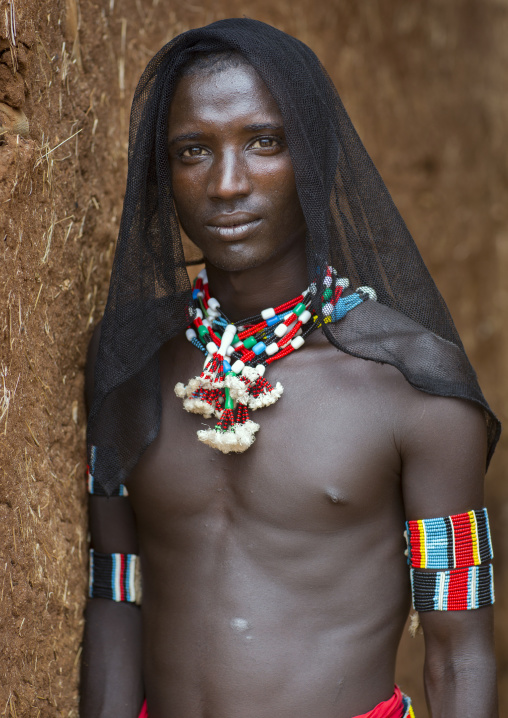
299	309
202	330
327	294
236	339
229	403
249	342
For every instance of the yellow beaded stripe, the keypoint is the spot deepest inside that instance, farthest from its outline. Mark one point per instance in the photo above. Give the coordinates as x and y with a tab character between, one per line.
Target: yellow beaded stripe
423	541
474	537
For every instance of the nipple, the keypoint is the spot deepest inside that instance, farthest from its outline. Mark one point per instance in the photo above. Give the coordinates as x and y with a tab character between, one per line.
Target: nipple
333	495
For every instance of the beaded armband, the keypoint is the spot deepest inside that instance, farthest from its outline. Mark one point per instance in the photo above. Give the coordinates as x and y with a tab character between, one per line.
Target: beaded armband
93	486
450	542
459	547
116	576
458	590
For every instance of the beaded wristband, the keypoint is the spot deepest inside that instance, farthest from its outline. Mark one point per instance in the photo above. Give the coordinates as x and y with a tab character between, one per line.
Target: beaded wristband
93	486
456	541
458	590
116	576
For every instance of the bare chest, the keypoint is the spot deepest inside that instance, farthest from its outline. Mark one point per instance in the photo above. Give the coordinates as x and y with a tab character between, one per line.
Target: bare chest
324	453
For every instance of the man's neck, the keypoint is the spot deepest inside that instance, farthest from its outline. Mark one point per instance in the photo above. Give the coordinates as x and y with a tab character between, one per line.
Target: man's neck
244	293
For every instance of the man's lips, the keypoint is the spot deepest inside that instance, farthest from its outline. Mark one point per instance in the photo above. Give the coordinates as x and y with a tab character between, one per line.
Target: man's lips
237	225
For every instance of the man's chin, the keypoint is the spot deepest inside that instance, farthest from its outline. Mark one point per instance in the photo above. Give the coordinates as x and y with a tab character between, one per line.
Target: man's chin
234	262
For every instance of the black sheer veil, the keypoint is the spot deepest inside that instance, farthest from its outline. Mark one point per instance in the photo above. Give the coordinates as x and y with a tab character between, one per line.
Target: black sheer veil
352	224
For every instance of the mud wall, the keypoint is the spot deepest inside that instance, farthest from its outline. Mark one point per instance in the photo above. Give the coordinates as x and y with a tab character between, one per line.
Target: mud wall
425	84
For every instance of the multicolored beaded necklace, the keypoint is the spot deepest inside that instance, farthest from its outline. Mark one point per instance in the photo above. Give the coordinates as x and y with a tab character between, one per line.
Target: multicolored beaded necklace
237	355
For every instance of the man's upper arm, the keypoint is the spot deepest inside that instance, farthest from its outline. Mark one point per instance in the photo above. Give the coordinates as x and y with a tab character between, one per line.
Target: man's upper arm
444	448
111	520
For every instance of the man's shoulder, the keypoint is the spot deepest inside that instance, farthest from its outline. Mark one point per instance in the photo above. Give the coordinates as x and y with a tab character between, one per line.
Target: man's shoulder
370	374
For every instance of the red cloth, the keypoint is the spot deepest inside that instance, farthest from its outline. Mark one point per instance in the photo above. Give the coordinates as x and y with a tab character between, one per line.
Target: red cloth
392	708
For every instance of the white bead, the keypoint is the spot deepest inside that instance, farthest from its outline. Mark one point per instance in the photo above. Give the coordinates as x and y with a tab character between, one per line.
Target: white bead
261	369
202	275
312	288
327	309
230	332
199	313
327	281
305	316
272	349
213	303
368	290
268	313
212	315
201	294
211	348
238	366
342	282
297	342
280	330
206	323
227	338
190	334
229	351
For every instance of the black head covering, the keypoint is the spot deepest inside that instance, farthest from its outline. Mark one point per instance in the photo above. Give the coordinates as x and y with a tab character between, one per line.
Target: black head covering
352	224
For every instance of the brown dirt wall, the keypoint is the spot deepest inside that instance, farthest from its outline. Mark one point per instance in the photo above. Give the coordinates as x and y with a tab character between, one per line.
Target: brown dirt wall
425	84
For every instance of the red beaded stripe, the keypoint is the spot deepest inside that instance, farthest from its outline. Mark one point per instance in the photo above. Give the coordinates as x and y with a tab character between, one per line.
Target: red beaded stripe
251	330
457	590
288	305
122	577
287	337
416	539
282	353
463	540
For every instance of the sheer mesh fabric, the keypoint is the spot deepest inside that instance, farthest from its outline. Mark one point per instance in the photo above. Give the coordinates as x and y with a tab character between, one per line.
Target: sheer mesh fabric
352	224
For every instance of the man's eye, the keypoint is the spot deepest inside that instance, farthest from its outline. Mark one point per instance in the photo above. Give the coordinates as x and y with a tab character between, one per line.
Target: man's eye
193	152
265	143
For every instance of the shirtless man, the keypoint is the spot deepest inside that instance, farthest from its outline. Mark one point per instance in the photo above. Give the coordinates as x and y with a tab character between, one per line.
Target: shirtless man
274	581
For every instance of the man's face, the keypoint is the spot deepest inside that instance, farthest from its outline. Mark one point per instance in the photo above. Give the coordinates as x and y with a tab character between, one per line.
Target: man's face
233	181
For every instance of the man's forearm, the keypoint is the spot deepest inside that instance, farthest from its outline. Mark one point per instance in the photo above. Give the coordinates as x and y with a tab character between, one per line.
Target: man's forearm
460	666
111	672
462	689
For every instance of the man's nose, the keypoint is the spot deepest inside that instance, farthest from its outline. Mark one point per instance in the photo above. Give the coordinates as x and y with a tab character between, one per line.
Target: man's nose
229	177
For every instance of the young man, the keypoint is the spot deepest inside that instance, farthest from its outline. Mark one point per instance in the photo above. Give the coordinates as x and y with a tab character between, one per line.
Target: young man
274	576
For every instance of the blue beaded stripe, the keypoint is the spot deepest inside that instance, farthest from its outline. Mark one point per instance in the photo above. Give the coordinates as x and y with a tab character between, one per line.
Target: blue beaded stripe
430	591
344	305
93	486
106	580
195	342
